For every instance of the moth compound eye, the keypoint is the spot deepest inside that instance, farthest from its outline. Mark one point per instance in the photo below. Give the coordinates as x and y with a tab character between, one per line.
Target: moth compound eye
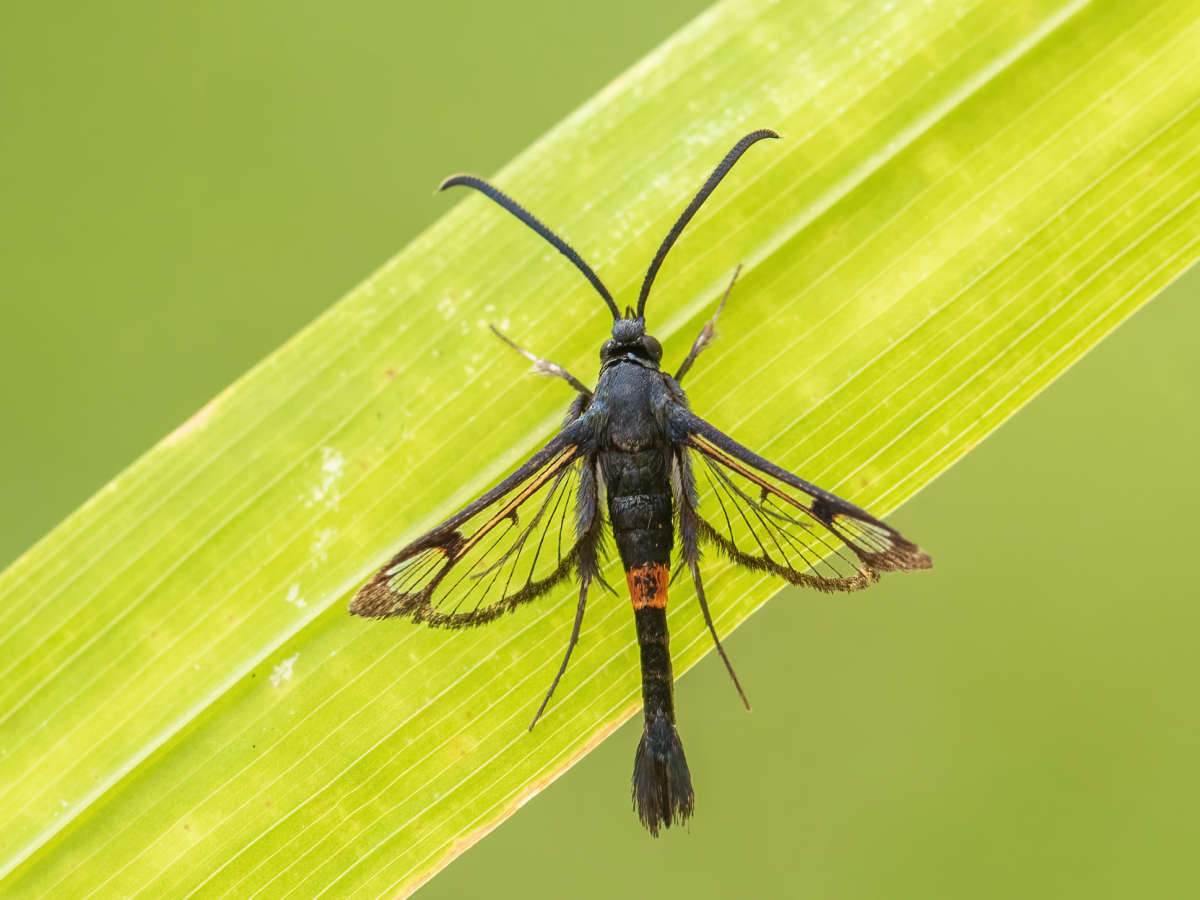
606	350
652	346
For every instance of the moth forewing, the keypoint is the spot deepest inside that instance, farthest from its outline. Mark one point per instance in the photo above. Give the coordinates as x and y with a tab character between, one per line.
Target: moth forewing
507	548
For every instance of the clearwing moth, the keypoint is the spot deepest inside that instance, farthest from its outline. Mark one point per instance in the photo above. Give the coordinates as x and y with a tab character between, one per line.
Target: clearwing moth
633	445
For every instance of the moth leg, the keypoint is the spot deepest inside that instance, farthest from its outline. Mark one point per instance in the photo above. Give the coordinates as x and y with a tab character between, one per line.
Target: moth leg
583	587
713	631
684	487
544	366
707	332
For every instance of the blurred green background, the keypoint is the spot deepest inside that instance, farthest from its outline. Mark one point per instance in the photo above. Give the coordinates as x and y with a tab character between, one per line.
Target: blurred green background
184	187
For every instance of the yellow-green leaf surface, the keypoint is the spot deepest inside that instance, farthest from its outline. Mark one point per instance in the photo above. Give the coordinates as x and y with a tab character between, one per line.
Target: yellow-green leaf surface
967	197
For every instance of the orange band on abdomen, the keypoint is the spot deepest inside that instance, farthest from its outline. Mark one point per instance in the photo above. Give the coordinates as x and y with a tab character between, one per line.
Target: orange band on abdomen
648	585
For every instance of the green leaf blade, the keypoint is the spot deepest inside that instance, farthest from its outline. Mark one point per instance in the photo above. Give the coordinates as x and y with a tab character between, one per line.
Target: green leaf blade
967	198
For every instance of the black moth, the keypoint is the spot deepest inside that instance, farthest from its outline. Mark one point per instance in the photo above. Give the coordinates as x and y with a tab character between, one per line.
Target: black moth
634	443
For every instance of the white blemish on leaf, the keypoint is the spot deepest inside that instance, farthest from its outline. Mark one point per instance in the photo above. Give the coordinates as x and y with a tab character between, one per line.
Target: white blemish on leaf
319	549
283	671
333	466
293	597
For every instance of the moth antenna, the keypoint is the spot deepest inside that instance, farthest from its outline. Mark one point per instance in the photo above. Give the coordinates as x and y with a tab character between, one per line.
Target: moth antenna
709	186
537	225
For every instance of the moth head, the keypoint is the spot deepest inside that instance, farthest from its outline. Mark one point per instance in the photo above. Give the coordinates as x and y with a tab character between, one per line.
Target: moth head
628	329
629	339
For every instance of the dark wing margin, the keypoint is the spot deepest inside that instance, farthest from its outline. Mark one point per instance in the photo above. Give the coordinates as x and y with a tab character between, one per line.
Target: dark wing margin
763	517
512	545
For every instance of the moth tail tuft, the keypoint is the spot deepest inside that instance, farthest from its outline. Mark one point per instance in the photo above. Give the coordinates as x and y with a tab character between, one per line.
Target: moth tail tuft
662	784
